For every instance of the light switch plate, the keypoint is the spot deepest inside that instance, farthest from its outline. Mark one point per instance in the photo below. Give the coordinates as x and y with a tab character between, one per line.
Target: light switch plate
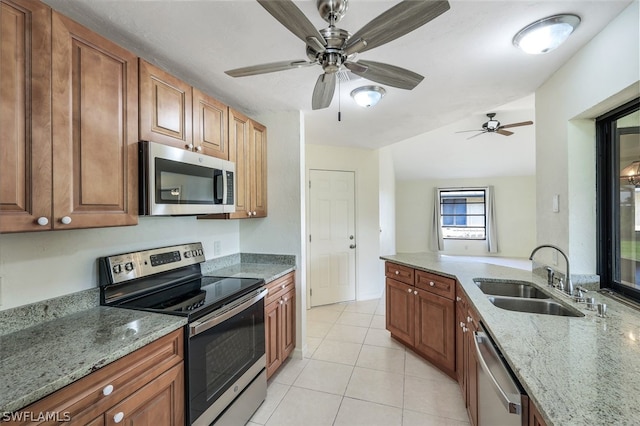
556	203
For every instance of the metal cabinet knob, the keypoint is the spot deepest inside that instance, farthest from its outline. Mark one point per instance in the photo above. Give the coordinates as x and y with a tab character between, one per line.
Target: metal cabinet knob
118	417
431	283
281	302
249	214
107	390
43	221
458	299
189	146
284	285
464	329
415	292
65	220
409	290
397	272
469	319
461	324
199	148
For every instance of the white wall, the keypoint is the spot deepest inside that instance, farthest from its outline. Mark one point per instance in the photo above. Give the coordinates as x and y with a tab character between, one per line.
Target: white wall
281	232
387	194
601	76
40	265
515	214
369	282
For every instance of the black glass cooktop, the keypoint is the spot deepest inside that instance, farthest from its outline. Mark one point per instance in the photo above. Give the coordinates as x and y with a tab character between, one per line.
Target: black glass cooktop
197	297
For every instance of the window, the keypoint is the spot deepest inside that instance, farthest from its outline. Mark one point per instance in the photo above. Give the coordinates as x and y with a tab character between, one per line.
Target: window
463	214
618	145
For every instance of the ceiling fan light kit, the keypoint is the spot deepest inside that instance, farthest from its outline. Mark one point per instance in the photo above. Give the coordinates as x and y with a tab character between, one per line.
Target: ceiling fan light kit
334	48
494	126
546	34
368	96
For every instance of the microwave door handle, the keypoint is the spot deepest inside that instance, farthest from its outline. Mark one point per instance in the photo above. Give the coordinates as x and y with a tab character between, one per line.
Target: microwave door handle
224	187
513	407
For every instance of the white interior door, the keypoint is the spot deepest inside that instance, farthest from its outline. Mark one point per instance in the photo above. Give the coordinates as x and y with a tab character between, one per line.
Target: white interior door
332	238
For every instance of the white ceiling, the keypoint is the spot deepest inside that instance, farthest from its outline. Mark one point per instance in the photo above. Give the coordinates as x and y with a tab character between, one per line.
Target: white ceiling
466	55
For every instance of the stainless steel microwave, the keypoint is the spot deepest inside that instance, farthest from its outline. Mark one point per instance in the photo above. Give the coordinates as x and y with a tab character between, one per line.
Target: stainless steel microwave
177	182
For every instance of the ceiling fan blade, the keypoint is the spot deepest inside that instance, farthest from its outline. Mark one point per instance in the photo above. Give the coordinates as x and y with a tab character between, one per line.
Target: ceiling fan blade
467	131
323	92
289	15
386	74
523	123
504	132
396	22
475	136
266	68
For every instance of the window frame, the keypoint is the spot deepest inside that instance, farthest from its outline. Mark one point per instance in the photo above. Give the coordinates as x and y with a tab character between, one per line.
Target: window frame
607	199
466	215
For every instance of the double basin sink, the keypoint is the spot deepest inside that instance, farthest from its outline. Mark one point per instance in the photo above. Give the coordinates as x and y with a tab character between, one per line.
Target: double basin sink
522	296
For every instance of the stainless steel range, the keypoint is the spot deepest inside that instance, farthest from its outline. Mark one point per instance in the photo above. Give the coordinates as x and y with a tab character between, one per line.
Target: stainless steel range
225	362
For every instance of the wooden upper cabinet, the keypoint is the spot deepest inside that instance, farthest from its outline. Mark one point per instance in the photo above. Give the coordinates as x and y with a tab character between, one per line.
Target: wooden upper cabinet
165	107
239	154
25	145
94	115
210	135
258	169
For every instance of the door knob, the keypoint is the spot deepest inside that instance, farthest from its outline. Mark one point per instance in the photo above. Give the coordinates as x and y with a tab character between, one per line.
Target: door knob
352	246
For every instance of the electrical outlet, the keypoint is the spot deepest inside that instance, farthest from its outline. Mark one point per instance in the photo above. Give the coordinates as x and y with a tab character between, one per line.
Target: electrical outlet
217	248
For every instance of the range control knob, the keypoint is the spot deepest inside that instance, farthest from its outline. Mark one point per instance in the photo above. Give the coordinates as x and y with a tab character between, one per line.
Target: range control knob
117	268
187	254
128	266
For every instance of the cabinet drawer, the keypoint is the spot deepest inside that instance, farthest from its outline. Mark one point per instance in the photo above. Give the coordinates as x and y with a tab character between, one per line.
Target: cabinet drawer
279	287
89	397
399	273
436	284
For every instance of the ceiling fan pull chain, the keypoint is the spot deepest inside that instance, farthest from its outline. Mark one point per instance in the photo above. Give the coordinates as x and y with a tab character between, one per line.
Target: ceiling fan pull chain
339	103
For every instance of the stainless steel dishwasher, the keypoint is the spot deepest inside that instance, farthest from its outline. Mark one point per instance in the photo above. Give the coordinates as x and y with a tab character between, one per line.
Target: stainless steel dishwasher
501	400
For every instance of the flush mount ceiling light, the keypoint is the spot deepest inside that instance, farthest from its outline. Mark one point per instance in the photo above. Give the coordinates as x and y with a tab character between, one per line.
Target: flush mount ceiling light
368	96
631	173
546	34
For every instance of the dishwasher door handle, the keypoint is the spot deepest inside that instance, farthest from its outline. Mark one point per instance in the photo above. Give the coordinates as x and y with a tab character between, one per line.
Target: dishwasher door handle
481	339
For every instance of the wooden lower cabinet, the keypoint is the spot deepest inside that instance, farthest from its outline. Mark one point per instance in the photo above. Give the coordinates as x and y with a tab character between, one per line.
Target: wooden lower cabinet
280	321
535	418
466	360
145	387
420	317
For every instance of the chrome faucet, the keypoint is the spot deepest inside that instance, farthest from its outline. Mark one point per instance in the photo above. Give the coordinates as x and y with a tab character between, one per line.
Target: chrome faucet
568	288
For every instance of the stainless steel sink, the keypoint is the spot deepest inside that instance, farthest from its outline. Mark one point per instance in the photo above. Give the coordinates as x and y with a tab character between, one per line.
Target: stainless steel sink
534	306
510	288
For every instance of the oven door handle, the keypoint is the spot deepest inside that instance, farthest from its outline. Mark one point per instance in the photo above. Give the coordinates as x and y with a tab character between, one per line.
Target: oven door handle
225	313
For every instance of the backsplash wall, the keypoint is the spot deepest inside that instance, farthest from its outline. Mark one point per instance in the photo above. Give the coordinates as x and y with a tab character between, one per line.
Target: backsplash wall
40	265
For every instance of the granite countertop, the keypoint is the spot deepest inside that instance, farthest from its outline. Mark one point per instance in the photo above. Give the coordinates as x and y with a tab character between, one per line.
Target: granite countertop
265	266
45	357
577	371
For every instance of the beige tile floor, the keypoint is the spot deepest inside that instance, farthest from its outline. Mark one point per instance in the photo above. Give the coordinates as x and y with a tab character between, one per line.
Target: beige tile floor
355	374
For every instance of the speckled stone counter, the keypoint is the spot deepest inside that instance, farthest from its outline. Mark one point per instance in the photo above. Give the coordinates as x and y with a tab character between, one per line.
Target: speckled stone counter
43	358
269	267
578	371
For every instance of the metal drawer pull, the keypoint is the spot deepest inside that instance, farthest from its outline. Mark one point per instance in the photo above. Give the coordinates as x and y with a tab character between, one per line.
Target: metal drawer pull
224	314
118	417
107	390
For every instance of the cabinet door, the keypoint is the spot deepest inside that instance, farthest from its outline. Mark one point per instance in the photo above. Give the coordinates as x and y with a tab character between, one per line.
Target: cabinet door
94	114
400	310
435	335
165	107
273	336
535	418
161	402
461	368
25	145
210	125
258	169
239	136
288	323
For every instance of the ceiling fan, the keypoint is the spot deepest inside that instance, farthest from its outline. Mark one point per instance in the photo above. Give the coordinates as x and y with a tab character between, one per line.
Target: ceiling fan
494	126
333	48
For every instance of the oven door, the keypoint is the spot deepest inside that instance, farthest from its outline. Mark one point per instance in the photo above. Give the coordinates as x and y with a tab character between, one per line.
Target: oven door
226	353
